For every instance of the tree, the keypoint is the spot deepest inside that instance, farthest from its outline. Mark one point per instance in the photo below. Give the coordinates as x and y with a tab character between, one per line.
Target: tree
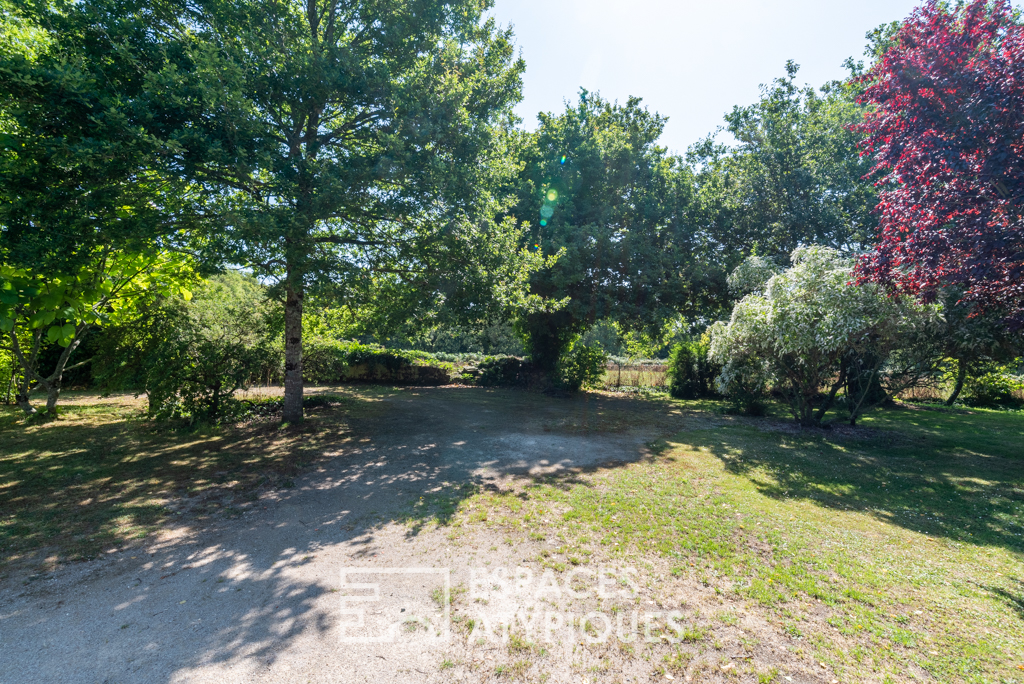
59	308
346	140
793	177
946	134
597	188
691	374
971	340
806	323
81	165
88	221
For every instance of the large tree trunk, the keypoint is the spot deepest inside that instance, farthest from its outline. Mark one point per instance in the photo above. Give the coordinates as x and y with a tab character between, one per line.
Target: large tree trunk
961	376
293	354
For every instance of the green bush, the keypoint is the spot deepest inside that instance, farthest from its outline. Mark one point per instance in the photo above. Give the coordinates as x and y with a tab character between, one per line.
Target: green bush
691	374
191	357
744	383
582	366
995	388
327	362
504	371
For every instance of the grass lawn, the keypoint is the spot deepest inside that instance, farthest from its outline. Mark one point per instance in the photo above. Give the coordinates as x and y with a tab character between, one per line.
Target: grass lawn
890	553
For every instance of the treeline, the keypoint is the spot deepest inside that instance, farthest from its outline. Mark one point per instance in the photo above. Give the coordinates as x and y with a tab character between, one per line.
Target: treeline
354	173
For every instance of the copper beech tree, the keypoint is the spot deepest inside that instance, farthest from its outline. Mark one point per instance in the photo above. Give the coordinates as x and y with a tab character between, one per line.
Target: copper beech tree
946	134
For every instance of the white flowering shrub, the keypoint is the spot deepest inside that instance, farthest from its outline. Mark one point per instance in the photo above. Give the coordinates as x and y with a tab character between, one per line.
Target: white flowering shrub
799	326
752	275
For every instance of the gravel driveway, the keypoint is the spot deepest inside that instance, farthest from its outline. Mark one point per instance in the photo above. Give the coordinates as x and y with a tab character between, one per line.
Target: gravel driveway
261	597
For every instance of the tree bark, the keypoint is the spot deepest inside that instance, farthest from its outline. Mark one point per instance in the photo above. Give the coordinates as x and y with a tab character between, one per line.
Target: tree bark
30	378
855	409
52	383
293	354
961	376
21	399
52	394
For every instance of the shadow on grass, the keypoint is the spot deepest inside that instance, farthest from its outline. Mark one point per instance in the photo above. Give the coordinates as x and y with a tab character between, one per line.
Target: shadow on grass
1013	597
102	475
946	475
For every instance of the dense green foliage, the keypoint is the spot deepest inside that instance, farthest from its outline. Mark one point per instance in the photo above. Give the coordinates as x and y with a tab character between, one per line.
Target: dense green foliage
191	357
88	213
596	187
691	373
995	386
504	371
354	146
330	361
795	176
360	158
59	307
81	148
581	366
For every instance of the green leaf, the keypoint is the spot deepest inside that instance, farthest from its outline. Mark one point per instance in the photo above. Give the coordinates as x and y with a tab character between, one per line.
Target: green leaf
6	324
54	333
68	331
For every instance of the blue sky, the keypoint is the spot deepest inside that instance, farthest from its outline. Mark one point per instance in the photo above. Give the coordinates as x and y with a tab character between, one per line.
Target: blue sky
690	61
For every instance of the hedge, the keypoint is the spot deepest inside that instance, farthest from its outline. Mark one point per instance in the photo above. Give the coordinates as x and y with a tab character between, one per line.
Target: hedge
328	362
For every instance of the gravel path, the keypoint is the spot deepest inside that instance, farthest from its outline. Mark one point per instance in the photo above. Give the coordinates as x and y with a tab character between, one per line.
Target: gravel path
260	597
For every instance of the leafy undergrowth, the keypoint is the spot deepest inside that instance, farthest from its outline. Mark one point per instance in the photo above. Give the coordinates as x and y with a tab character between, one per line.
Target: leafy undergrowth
907	532
101	475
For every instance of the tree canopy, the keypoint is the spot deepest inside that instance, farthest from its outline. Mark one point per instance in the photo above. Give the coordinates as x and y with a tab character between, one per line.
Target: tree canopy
89	218
946	134
794	175
598	188
81	163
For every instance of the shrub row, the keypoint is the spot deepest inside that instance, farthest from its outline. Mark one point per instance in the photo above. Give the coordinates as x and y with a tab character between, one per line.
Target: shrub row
327	362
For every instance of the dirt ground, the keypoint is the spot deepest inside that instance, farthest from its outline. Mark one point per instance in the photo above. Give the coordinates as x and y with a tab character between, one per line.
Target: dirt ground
339	580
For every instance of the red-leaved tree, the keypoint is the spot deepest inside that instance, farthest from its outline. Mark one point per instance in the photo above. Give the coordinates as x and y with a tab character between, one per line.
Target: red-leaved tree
946	132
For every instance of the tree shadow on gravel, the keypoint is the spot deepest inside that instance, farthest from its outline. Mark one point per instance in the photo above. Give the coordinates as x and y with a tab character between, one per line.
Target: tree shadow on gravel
103	477
227	592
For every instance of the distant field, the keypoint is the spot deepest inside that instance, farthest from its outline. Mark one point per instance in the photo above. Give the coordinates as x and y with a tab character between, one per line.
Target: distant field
639	375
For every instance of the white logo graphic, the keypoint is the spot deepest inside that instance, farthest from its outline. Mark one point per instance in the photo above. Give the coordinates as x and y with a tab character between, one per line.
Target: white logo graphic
389	605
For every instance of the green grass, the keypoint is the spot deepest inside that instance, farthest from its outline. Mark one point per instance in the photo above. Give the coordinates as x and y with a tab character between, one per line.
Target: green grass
908	529
101	475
